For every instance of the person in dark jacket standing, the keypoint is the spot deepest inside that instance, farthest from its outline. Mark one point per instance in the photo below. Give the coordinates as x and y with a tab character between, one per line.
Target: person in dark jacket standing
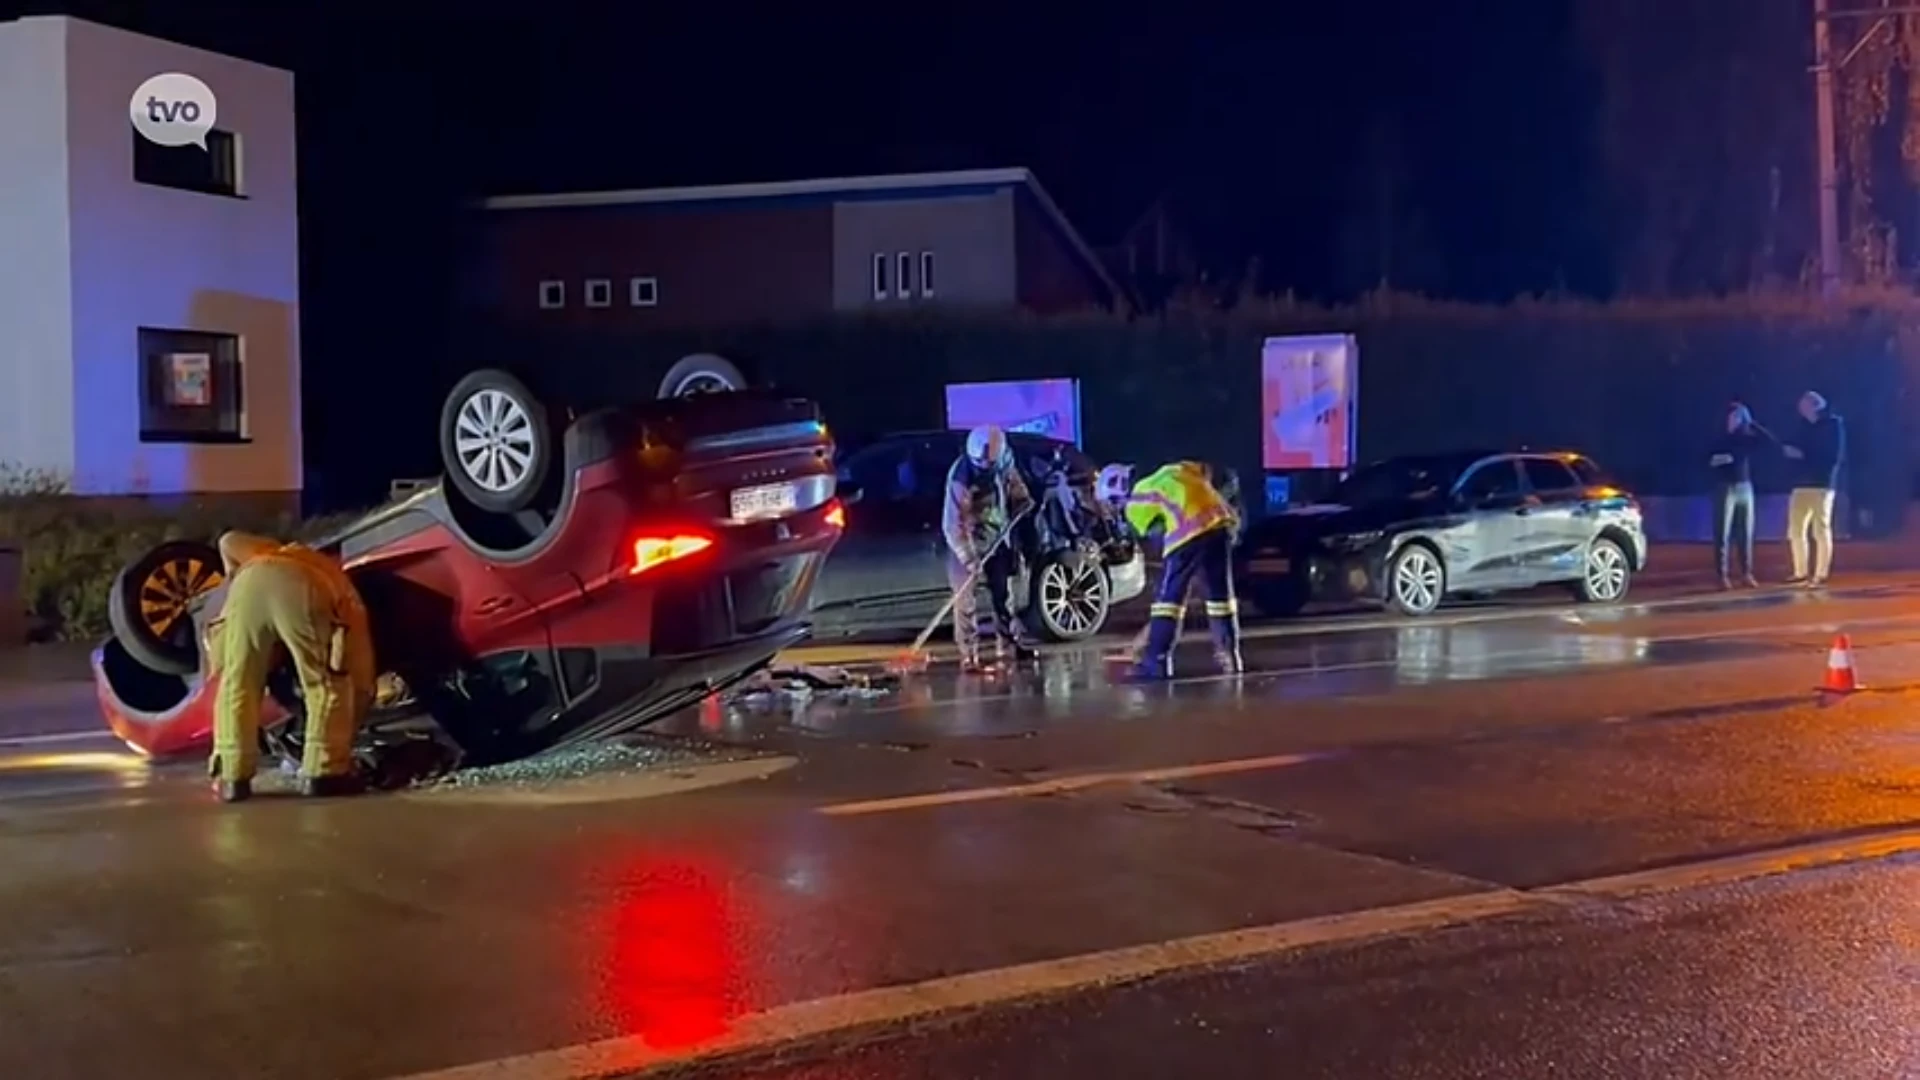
1819	453
1732	465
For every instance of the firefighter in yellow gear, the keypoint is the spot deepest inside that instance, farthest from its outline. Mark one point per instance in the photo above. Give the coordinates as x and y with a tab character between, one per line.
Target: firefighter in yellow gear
1227	483
1197	524
288	599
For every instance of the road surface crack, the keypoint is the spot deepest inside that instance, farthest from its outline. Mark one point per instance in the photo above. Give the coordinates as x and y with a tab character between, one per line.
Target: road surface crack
1238	813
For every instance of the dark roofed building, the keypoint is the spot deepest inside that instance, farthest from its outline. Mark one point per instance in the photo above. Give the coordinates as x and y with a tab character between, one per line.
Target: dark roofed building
670	257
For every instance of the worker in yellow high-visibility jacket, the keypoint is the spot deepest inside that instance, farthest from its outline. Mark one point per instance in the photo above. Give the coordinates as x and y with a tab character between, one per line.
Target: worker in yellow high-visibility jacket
1197	524
288	596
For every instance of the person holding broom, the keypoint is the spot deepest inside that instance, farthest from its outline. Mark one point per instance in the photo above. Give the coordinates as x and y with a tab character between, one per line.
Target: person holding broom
985	498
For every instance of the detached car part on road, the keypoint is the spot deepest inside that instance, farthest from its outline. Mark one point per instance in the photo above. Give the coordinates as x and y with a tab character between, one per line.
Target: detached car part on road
1412	531
890	570
550	591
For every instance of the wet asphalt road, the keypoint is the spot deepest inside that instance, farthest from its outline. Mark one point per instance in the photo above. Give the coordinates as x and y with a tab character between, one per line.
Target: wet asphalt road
961	826
1809	979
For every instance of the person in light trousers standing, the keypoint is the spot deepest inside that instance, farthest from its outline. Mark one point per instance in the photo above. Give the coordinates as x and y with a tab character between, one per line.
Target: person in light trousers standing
1818	451
1732	465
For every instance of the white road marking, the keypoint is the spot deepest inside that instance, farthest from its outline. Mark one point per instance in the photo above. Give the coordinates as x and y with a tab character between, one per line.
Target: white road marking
1076	782
631	1056
1729	869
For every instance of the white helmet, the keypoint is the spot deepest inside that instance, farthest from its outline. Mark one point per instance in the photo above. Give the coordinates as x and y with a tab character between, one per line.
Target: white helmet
987	445
1115	483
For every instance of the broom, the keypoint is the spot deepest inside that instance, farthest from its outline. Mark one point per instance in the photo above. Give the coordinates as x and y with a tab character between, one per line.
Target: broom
916	658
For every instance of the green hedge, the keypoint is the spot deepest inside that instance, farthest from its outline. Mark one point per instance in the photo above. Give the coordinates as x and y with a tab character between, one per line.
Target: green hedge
73	546
1641	385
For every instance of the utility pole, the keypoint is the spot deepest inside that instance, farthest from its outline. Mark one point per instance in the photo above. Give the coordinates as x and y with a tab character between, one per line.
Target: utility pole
1829	167
1824	65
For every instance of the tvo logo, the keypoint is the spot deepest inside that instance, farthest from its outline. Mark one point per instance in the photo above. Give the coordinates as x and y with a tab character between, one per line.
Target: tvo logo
173	109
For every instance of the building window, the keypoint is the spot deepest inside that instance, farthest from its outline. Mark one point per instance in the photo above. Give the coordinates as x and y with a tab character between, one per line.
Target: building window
926	273
599	293
903	274
553	294
644	292
190	388
213	171
880	276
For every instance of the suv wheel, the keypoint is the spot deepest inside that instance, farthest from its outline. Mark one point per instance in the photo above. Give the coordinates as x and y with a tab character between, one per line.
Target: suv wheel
1416	580
496	442
1606	574
1069	598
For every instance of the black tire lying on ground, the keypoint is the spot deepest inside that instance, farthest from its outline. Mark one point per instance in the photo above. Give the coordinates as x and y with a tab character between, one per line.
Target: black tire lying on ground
149	604
497	442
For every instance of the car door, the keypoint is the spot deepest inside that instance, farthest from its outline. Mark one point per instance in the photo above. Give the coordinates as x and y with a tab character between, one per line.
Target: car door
1555	540
1485	548
890	555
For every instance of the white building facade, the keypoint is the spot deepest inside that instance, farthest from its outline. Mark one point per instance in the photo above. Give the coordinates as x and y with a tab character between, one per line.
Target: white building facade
149	296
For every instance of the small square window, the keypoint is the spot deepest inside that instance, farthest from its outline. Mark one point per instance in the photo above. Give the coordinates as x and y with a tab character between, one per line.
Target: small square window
553	294
926	273
880	276
903	274
599	293
190	387
644	292
212	171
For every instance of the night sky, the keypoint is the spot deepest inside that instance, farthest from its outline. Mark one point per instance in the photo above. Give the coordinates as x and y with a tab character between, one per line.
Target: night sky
1273	139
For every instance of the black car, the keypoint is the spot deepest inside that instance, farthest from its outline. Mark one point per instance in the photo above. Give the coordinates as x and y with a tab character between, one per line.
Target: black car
1412	531
889	569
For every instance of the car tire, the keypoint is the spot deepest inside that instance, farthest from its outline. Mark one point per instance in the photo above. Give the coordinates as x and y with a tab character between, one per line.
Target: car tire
496	442
1416	580
702	373
1605	574
150	602
1069	597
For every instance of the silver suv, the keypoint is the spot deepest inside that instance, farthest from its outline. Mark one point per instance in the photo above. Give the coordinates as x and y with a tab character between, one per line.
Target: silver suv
1412	531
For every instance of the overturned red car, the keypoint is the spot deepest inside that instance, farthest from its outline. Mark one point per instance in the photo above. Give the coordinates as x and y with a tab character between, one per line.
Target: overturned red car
546	591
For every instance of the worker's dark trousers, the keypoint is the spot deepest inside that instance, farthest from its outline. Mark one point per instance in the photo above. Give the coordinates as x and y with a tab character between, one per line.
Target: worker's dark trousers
1210	557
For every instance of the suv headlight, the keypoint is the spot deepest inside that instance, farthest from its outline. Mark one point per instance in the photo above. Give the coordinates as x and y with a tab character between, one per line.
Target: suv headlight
1355	541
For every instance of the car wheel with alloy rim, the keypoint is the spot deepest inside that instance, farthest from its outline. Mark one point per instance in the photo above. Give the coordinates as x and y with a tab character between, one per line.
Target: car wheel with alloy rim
1416	580
496	441
1069	597
150	604
1606	574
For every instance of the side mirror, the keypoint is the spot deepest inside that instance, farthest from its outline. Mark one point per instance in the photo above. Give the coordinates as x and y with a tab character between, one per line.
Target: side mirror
848	493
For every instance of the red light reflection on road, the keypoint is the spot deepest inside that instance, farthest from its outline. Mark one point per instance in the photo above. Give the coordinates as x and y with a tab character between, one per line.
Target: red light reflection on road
665	952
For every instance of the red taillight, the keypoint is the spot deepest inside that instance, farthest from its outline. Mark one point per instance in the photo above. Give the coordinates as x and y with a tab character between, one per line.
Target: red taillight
651	551
837	516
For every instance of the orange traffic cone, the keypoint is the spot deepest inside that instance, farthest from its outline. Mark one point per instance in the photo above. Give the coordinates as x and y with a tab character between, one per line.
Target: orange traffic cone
1840	675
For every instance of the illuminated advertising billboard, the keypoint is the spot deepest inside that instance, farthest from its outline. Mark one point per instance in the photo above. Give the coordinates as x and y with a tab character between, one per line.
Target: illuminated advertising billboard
1309	389
1049	407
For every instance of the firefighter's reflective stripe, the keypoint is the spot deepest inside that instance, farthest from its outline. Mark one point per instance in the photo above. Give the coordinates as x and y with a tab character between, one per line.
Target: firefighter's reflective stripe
1222	609
1165	611
1178	498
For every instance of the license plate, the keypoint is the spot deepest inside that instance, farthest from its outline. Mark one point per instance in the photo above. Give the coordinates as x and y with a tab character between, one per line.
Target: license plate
765	501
